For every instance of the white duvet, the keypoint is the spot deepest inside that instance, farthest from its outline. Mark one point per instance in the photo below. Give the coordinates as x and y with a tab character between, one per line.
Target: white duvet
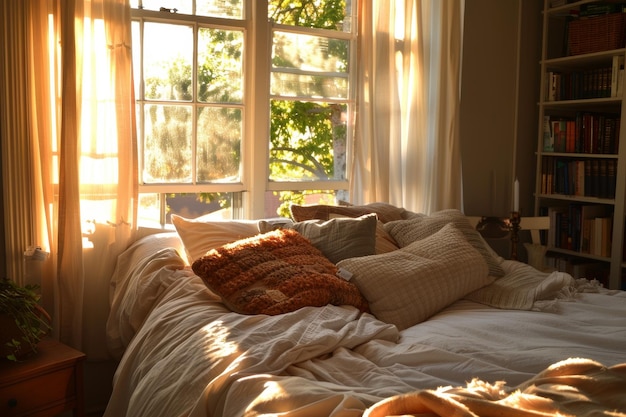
185	354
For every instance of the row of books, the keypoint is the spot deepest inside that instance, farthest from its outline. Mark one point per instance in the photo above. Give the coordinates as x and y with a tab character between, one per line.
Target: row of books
579	177
586	133
598	82
584	228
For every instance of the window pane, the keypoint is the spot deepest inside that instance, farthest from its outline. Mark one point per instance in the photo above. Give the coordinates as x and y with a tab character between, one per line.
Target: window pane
308	141
167	146
309	66
277	203
294	85
181	6
309	53
135	28
167	58
323	14
220	66
149	211
232	9
191	205
219	144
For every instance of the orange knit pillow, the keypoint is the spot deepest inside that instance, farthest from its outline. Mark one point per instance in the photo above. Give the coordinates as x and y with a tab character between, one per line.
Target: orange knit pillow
275	273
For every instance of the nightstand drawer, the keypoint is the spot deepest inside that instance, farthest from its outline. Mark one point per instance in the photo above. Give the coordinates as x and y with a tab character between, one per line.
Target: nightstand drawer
45	384
54	389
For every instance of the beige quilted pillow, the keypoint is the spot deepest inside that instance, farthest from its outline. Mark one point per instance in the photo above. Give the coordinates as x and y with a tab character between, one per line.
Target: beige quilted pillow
421	226
407	286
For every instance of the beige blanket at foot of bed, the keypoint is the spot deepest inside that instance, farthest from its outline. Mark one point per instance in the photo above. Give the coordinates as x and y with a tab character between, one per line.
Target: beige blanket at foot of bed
574	387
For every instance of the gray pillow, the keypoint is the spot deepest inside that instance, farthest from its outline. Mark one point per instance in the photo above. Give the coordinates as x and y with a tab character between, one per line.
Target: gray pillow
338	238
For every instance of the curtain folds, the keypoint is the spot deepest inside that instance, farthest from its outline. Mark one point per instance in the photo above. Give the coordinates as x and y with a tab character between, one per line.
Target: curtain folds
407	149
71	125
14	117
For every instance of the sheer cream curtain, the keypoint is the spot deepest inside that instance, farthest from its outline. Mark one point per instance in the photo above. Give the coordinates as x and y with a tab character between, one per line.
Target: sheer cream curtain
70	122
407	149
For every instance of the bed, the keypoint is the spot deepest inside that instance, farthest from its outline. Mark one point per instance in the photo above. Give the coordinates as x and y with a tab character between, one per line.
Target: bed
418	317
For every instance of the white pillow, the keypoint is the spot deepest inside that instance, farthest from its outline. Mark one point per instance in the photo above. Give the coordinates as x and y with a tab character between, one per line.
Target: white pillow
204	233
407	286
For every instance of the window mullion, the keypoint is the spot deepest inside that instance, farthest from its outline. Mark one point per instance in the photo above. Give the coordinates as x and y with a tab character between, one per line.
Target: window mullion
142	100
256	136
194	105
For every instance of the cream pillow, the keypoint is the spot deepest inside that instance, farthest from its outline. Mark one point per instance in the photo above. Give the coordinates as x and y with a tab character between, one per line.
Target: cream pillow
202	234
421	226
407	286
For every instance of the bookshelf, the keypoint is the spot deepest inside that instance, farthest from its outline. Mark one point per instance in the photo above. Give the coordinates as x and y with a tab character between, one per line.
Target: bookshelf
581	146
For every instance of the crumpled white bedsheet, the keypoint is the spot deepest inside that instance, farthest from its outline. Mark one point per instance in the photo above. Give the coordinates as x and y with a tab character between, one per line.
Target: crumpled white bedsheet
185	354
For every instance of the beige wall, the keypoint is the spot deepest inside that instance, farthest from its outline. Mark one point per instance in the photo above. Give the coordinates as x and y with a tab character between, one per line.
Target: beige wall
499	104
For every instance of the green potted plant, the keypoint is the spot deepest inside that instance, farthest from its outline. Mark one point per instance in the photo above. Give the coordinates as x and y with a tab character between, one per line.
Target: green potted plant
22	320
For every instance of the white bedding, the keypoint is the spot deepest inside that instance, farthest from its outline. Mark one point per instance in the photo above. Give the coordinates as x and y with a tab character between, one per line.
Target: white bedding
185	354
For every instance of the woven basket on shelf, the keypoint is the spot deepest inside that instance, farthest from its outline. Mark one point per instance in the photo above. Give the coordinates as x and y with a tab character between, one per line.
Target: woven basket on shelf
595	34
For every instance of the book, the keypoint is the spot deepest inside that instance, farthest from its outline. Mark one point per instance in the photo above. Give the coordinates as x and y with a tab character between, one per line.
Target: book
616	67
607	229
611	173
588	214
596	242
579	183
559	131
554	213
601	236
603	191
552	81
570	134
548	136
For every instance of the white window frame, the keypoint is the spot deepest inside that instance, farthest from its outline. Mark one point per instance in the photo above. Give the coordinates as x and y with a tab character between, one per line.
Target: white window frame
256	108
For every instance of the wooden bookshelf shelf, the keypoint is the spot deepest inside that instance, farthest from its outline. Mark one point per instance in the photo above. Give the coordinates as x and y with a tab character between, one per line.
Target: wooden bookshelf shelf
563	102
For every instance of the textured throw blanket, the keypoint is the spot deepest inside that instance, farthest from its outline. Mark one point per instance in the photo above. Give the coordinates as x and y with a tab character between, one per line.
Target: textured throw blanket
574	387
525	288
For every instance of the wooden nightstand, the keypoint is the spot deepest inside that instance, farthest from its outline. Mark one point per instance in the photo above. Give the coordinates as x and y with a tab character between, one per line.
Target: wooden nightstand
46	384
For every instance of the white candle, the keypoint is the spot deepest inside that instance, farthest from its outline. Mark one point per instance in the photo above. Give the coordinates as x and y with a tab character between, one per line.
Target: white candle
516	195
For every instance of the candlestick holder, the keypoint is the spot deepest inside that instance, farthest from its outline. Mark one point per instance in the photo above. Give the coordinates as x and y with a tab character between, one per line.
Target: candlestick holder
514	221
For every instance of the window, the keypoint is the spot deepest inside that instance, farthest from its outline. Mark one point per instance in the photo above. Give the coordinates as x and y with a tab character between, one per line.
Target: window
239	115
